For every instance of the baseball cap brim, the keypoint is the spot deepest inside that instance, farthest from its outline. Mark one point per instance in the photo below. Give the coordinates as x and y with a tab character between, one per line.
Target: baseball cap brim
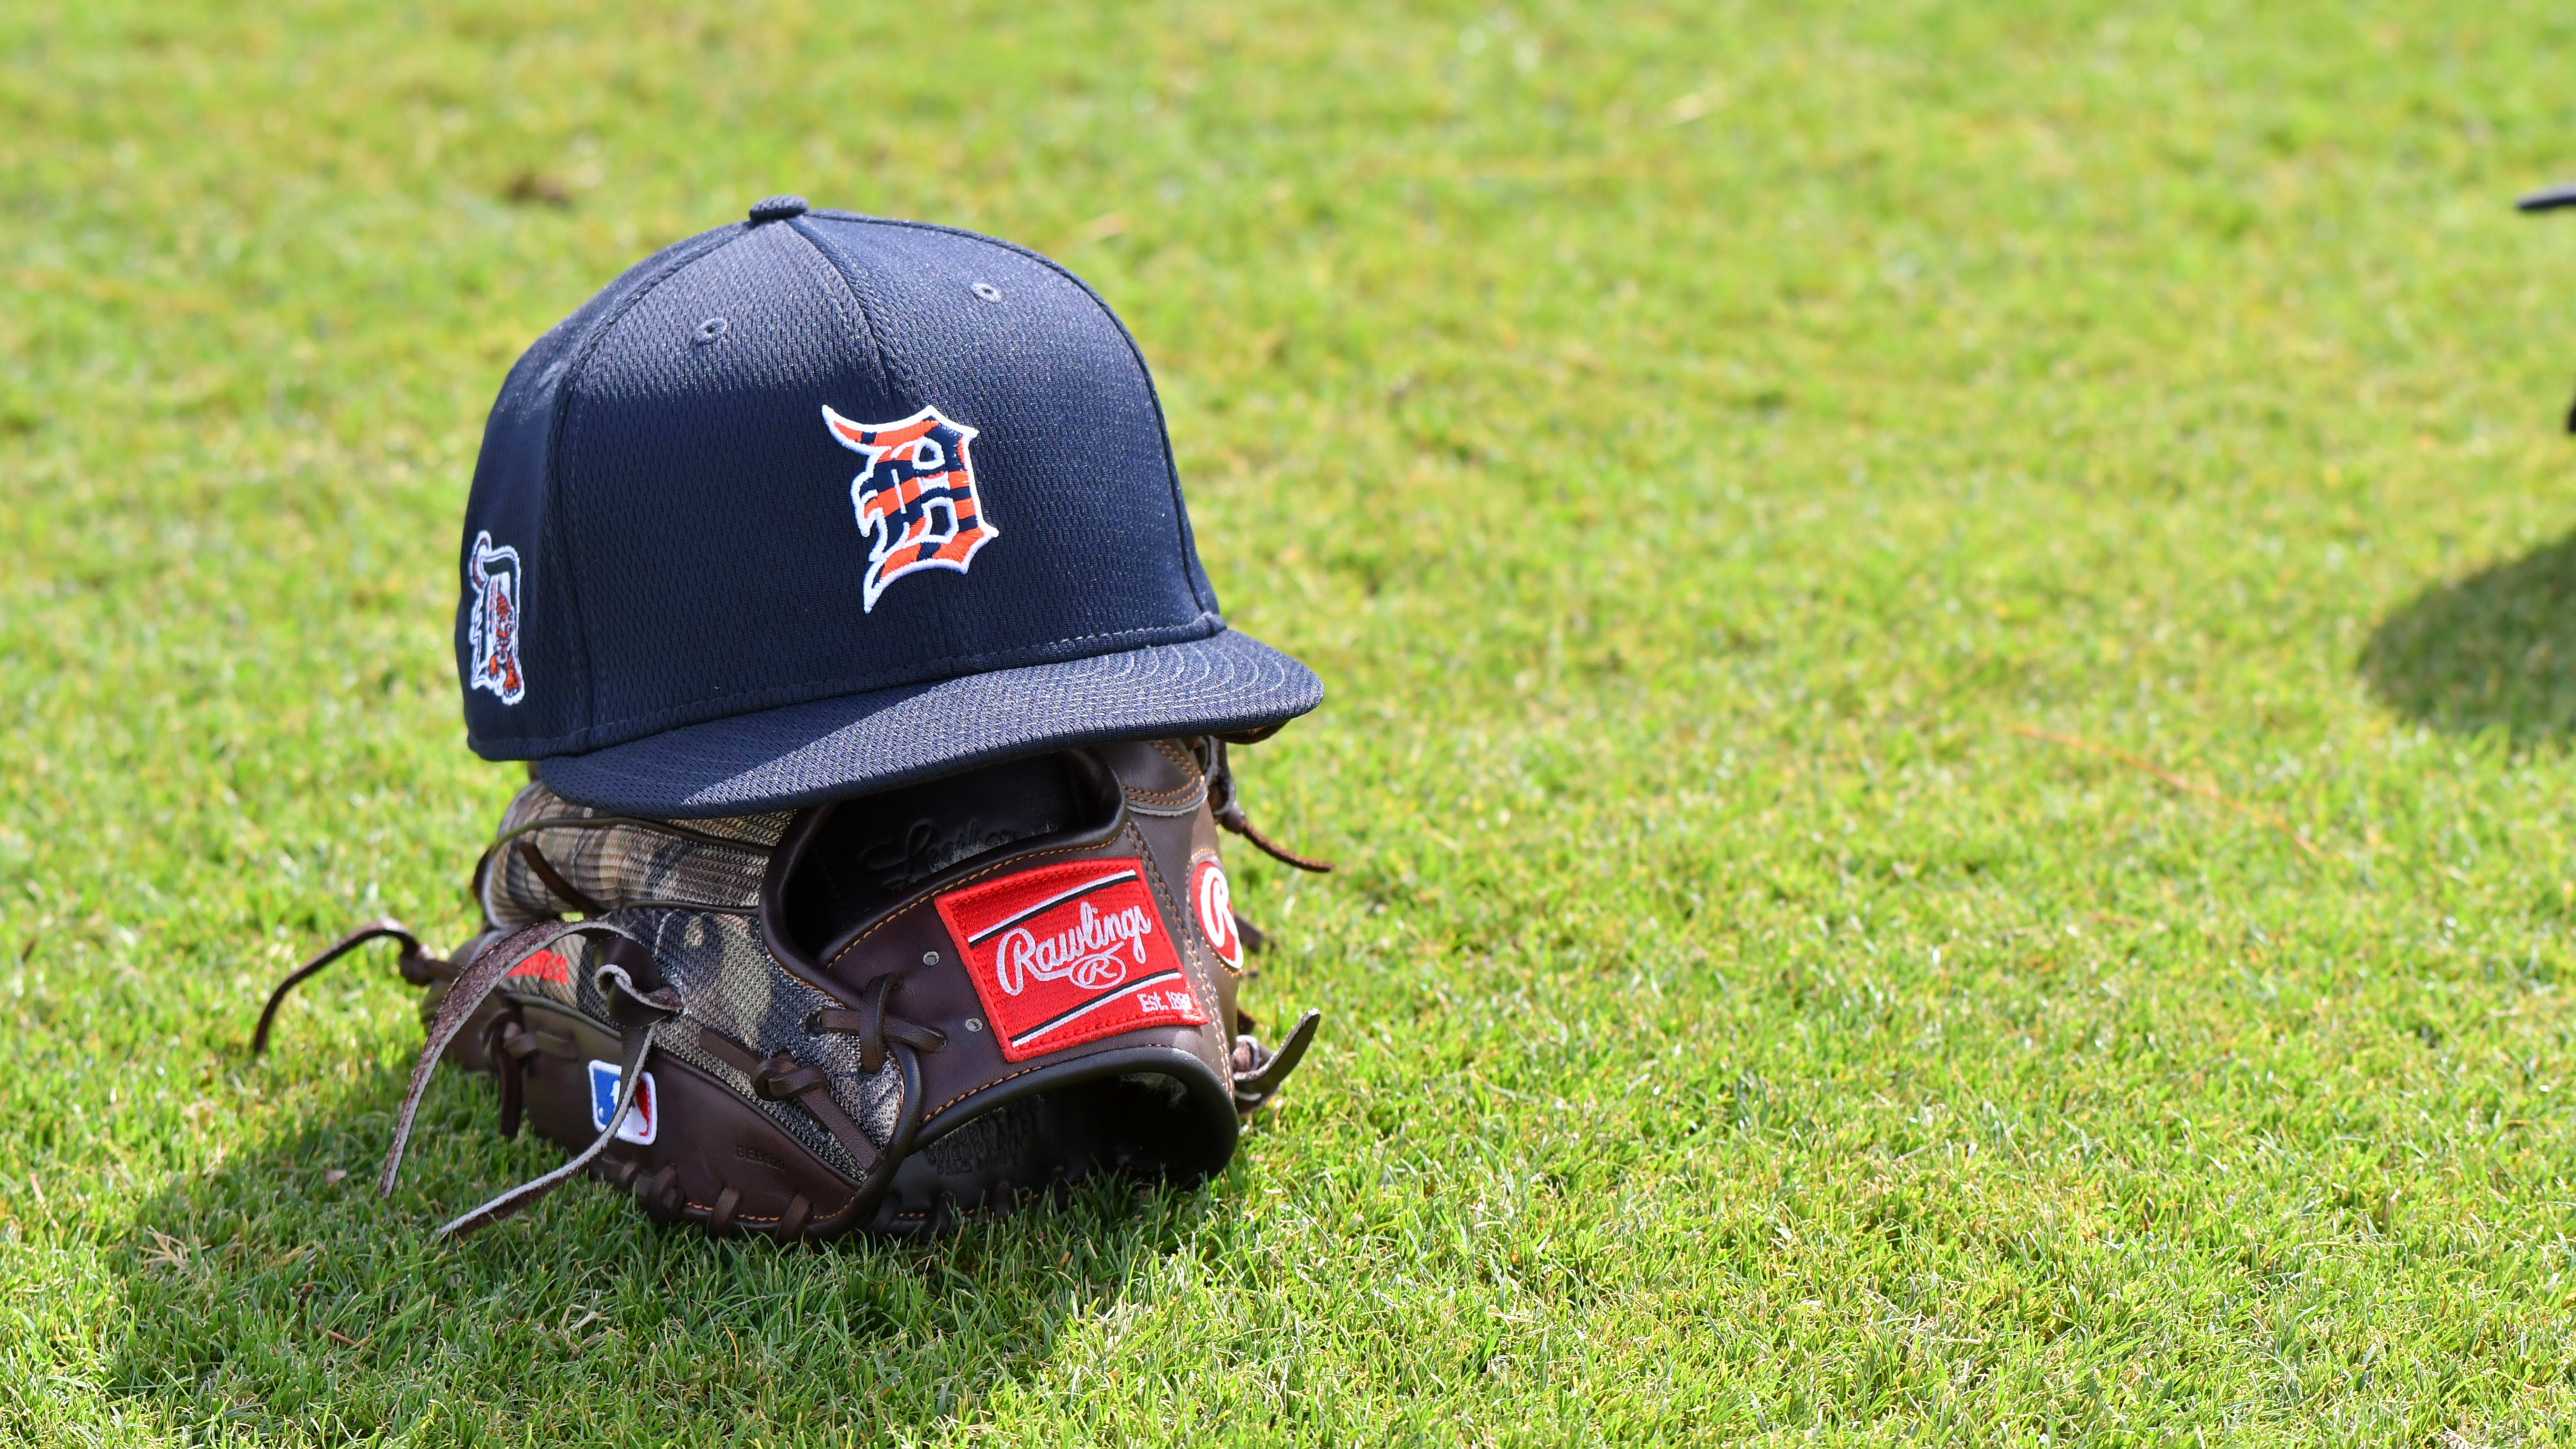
802	754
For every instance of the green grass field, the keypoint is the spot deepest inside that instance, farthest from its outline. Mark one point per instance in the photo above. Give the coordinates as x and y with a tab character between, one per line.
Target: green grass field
1951	640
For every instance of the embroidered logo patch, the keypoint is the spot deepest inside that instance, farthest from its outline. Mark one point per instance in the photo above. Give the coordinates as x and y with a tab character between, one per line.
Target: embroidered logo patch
643	1116
915	500
1212	901
492	576
1065	954
546	965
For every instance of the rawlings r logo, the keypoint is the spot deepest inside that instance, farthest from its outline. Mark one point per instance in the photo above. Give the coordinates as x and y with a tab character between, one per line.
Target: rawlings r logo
916	500
492	576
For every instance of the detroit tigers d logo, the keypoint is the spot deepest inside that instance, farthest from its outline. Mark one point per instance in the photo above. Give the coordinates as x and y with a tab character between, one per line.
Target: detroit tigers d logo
915	500
492	576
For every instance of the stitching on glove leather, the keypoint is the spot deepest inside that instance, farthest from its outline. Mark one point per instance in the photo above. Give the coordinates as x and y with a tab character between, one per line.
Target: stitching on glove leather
1014	863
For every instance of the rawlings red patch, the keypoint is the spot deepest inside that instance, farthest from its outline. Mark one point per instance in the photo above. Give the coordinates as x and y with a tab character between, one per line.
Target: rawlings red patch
1065	954
1212	901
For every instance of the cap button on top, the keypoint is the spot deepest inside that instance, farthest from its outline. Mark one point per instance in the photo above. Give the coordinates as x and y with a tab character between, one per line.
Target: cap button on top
777	208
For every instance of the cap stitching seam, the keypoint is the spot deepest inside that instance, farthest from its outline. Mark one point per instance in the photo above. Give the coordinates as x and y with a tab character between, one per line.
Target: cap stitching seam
574	370
895	381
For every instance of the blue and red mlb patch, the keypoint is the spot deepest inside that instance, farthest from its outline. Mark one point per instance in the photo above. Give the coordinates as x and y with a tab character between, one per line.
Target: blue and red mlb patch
643	1116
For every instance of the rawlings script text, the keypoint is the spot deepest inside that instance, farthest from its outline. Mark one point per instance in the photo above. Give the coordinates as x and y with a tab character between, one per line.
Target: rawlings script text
1088	951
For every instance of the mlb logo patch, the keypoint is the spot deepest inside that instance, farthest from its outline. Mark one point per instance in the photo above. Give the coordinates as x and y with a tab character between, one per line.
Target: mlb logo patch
492	577
643	1116
916	501
1065	954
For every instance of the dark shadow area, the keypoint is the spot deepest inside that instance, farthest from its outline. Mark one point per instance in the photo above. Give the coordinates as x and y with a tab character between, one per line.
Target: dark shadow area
277	1297
2495	650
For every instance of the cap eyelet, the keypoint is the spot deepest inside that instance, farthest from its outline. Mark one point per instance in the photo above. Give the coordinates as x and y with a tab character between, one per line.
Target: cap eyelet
974	1023
711	330
988	291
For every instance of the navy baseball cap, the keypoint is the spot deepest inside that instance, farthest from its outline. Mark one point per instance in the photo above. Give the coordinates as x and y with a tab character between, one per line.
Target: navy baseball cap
820	503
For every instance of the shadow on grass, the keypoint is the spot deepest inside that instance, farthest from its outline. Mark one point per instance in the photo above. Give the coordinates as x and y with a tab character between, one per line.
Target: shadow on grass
272	1299
2495	650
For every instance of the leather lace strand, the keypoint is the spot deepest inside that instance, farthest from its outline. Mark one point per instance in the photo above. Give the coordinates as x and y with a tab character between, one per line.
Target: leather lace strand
417	968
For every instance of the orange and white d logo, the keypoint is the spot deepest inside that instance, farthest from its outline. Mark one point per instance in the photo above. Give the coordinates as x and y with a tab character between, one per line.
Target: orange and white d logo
916	499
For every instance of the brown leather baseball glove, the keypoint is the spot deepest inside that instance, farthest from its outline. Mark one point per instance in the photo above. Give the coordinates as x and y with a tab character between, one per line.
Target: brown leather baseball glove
884	1013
